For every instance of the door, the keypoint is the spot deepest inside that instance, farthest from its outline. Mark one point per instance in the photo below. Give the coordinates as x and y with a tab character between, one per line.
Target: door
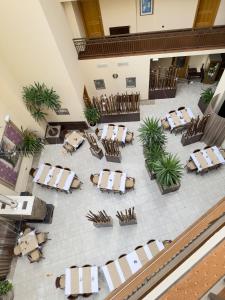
206	13
91	14
181	63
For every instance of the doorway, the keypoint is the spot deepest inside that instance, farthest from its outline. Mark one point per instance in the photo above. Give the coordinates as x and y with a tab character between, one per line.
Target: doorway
181	63
206	13
91	15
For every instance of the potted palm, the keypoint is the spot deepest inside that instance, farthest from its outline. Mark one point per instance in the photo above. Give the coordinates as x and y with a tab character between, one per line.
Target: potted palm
6	290
151	133
92	115
38	97
31	143
168	173
206	97
153	153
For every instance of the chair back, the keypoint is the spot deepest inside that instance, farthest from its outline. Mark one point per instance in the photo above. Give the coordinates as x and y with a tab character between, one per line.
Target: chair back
181	108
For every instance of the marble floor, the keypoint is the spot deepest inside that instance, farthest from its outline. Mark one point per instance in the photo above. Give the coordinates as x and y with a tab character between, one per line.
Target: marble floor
75	241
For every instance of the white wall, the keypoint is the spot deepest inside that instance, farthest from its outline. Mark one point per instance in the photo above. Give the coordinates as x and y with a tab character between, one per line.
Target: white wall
220	18
197	61
36	44
138	66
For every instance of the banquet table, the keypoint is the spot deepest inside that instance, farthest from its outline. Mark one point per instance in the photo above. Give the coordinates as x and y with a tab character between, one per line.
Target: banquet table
110	180
114	132
54	177
28	242
122	268
74	139
81	280
207	158
179	118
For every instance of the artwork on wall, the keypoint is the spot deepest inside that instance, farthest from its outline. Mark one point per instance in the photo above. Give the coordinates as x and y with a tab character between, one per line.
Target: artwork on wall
146	7
10	160
62	111
99	84
131	82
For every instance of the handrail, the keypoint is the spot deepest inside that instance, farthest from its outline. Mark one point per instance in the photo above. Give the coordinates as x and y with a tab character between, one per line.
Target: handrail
142	282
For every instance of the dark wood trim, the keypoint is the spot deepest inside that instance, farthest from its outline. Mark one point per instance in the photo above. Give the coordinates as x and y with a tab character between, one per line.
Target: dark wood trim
129	117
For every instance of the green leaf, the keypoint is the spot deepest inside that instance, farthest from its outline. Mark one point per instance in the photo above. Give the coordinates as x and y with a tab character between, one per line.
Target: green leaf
30	144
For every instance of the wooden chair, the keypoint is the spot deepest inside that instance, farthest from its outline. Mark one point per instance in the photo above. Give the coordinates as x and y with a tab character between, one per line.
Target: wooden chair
42	237
178	129
150	241
111	124
207	147
17	251
109	262
76	183
119	171
94	178
60	282
181	108
67	169
165	124
107	170
69	148
172	111
59	167
196	150
73	267
72	297
138	247
130	182
122	255
35	256
129	137
33	172
191	167
48	164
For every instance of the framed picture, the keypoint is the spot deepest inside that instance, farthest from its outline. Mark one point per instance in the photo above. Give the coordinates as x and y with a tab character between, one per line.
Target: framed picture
62	111
99	84
146	7
131	82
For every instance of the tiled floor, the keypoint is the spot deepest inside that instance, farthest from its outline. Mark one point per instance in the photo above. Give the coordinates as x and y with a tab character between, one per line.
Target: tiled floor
75	241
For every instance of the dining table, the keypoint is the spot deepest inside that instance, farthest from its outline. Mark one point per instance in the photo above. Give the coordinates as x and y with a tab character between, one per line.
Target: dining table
180	117
74	139
121	269
82	280
28	243
112	181
207	158
54	177
114	132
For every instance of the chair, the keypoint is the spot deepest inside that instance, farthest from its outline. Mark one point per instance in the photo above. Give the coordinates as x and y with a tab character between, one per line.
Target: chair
150	241
73	267
118	171
72	297
76	183
109	262
165	124
17	250
42	237
172	111
181	108
107	170
196	150
33	172
68	169
122	255
123	126
111	125
178	129
129	137
48	164
59	167
207	147
222	151
35	256
138	247
69	148
191	167
130	182
60	282
94	178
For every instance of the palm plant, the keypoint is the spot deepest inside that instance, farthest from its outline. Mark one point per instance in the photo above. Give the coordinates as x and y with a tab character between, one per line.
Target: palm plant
168	170
153	154
92	115
151	133
5	287
38	97
30	144
207	95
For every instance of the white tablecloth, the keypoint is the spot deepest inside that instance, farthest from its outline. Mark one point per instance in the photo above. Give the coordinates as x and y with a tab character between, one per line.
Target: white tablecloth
196	162
207	158
133	261
94	280
115	131
111	181
218	154
39	171
180	115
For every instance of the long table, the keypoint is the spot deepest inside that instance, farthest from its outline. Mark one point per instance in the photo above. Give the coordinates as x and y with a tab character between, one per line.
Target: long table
121	269
110	180
179	117
28	242
207	158
54	177
114	132
81	280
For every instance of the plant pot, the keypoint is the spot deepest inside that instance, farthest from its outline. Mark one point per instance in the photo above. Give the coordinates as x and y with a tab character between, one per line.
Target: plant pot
168	189
202	105
8	296
151	174
92	124
191	139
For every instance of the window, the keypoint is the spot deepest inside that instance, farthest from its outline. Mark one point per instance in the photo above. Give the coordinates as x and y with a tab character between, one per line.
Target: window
131	82
99	84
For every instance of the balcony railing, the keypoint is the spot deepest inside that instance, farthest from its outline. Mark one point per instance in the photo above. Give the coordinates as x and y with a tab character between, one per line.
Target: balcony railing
153	42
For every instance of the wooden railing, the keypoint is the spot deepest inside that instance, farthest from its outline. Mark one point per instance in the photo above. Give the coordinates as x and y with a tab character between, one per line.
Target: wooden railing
150	42
142	282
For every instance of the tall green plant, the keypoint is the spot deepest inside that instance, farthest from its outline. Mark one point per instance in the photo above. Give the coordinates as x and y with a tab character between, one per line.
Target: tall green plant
38	97
153	154
30	144
92	115
207	95
5	287
168	170
150	132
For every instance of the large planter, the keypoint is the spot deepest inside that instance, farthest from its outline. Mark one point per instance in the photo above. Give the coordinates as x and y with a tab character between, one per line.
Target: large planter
168	189
202	105
191	139
150	172
8	296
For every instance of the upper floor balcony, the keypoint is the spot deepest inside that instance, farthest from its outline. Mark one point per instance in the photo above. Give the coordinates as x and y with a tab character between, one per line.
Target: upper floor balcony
151	43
